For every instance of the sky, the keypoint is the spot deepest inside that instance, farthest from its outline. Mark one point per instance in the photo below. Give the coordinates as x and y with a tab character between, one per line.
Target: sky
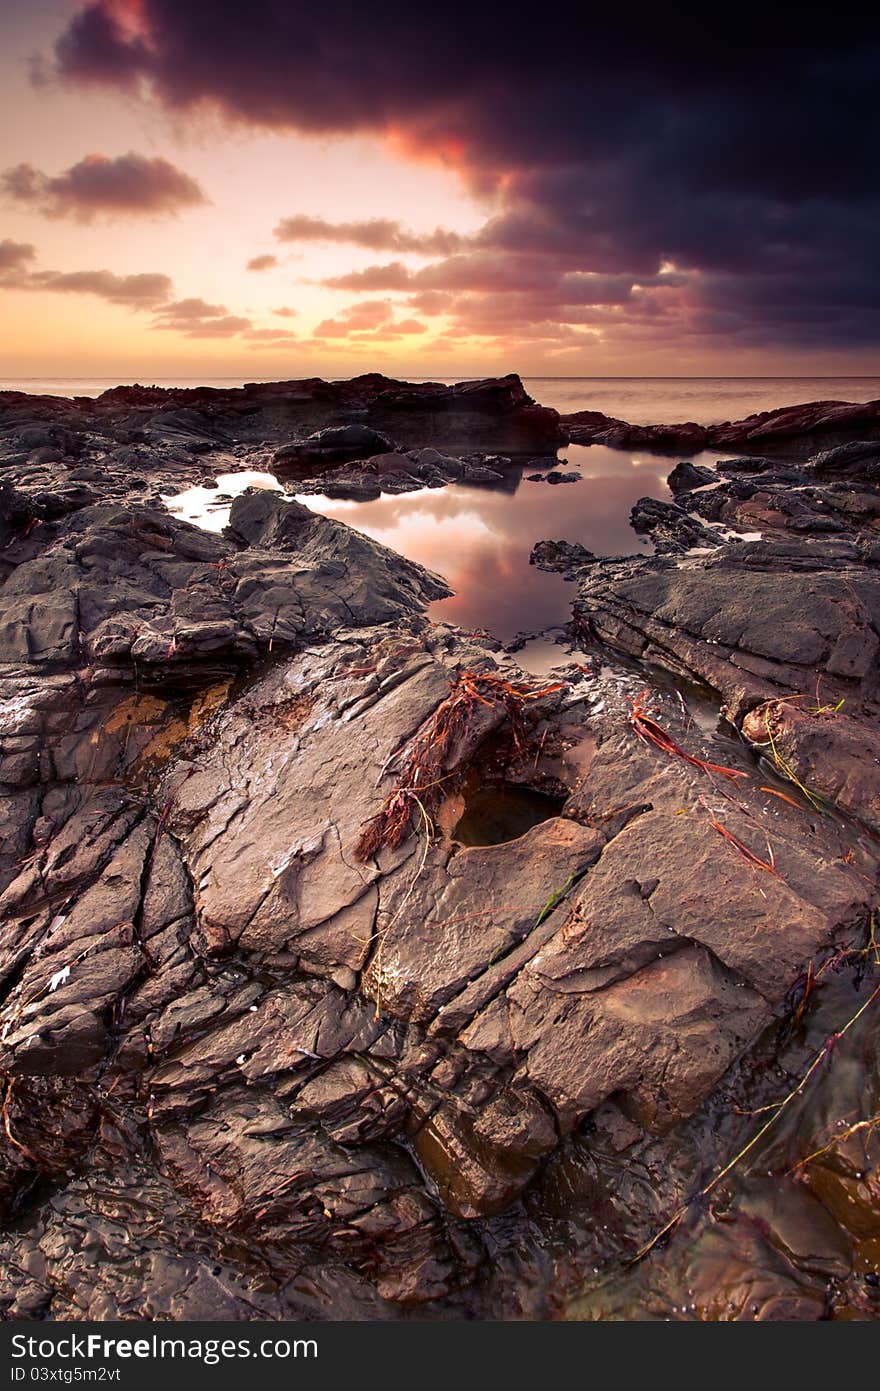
201	188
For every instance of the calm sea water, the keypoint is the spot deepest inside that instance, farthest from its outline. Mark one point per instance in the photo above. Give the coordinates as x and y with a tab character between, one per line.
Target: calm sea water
642	400
706	400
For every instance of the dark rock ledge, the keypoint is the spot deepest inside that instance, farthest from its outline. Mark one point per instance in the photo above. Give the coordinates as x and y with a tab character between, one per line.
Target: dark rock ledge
783	429
766	587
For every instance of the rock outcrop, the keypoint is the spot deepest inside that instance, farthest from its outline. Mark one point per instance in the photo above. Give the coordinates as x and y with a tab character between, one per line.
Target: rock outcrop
390	471
779	429
310	422
781	617
671	528
220	1017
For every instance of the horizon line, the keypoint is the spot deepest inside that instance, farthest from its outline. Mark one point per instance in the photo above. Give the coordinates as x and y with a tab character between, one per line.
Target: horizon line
533	376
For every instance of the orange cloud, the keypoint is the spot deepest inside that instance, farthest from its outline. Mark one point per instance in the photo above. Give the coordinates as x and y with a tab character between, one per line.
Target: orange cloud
195	318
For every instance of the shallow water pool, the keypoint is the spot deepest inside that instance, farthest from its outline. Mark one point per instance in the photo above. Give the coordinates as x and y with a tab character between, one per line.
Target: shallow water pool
480	538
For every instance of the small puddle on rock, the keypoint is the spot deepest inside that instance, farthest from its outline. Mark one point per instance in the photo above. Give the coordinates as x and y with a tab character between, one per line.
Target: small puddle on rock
503	812
209	508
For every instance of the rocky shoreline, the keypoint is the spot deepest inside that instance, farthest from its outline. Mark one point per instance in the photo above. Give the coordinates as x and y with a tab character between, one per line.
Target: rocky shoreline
787	428
350	972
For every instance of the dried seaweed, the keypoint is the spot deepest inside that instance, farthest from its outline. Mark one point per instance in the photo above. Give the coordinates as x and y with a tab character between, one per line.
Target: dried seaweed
422	763
648	730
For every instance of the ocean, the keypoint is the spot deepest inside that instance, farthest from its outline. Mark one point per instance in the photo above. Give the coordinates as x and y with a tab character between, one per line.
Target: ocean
641	400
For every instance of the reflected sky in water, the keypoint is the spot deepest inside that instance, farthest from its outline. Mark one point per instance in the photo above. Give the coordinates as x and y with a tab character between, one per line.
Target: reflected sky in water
480	538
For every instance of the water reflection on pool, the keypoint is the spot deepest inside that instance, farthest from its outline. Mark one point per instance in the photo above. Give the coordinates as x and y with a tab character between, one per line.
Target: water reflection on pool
480	538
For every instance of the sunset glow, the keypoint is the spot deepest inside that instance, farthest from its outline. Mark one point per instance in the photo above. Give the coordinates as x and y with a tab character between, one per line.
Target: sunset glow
309	227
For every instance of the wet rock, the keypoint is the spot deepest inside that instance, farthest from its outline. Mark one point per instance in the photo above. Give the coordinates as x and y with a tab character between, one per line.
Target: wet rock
592	427
482	1156
246	1164
860	459
255	1072
655	1037
735	1278
494	413
812	420
848	1193
564	556
336	445
760	618
355	486
433	949
20	516
800	1227
112	585
826	750
732	619
75	1261
686	476
672	530
242	994
745	463
844	1174
354	1102
403	472
130	440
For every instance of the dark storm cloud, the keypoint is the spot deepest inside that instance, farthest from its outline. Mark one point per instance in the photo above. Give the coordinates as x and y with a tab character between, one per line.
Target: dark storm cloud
493	273
739	148
129	185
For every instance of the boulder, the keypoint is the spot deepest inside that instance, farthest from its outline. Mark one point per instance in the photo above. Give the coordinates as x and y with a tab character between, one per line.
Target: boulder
686	476
337	445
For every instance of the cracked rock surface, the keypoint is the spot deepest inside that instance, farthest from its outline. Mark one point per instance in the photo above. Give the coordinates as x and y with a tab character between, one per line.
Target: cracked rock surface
249	1070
